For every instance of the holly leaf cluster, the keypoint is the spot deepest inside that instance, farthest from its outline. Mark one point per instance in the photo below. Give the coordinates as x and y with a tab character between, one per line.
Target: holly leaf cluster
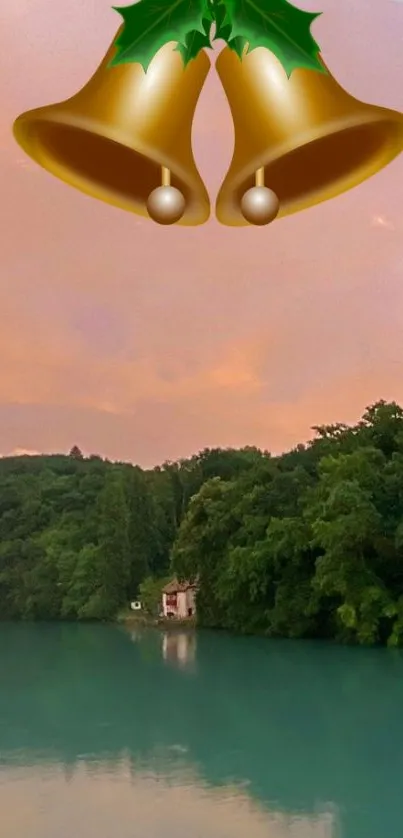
224	29
195	41
276	25
150	24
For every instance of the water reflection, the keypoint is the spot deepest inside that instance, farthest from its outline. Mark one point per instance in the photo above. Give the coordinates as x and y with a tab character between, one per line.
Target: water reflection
179	647
100	804
283	739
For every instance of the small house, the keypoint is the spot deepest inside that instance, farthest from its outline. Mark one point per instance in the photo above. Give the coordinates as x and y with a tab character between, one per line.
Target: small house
179	599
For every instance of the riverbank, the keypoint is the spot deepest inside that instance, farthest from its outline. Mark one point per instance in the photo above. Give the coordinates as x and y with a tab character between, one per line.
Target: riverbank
130	618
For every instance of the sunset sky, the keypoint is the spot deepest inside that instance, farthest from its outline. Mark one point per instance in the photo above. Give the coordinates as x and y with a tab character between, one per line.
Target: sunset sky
145	343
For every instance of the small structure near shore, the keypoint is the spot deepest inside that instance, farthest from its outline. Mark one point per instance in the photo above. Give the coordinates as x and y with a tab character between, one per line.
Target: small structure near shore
179	600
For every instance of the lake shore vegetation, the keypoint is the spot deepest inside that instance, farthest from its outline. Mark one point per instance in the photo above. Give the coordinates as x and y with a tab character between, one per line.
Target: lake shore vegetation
308	543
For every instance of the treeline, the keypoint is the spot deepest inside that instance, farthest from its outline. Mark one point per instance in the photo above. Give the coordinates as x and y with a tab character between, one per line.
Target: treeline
307	544
79	535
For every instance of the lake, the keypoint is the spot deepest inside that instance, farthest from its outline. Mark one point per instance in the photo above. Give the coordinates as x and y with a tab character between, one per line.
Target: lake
109	732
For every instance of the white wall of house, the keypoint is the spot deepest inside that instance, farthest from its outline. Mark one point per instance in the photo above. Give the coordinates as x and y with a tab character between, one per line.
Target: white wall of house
182	605
185	601
166	609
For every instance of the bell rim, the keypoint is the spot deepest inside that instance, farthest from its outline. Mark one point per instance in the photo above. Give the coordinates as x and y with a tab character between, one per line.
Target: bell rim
198	209
228	212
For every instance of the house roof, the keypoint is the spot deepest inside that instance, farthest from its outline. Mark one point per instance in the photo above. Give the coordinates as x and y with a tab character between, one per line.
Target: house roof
175	587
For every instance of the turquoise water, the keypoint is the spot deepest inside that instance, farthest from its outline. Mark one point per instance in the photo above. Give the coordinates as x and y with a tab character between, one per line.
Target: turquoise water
109	732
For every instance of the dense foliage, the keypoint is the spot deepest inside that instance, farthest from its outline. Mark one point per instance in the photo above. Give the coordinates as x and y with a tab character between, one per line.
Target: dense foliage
80	537
307	544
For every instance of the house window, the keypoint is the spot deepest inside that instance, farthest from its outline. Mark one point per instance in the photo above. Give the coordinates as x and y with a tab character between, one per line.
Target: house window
171	601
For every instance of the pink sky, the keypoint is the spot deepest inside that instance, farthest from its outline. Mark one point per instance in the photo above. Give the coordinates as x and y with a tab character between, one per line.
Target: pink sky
146	343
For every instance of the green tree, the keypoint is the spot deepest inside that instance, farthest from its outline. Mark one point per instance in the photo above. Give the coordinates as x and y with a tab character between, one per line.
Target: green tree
150	592
76	453
142	535
112	572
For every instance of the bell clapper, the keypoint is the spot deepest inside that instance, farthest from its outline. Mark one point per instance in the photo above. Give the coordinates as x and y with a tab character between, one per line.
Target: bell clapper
260	205
165	176
259	177
166	204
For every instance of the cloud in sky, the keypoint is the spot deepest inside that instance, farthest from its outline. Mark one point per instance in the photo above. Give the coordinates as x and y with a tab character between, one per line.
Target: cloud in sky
21	452
382	221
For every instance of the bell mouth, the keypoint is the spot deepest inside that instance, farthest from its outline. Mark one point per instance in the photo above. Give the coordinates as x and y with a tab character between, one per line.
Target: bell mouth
93	163
324	167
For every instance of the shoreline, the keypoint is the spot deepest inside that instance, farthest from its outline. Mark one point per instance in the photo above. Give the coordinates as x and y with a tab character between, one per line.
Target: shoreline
162	623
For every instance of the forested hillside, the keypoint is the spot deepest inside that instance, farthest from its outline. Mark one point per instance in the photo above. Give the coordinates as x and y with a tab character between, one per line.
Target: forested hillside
78	535
307	544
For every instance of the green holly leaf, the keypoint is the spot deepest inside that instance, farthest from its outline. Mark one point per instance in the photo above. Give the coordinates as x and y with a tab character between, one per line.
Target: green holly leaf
196	41
238	44
274	24
150	24
223	29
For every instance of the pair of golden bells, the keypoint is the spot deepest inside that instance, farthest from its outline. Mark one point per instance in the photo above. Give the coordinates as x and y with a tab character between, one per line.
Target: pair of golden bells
125	138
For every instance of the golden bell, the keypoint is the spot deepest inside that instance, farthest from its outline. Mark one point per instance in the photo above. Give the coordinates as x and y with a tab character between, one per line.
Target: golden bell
125	133
304	137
